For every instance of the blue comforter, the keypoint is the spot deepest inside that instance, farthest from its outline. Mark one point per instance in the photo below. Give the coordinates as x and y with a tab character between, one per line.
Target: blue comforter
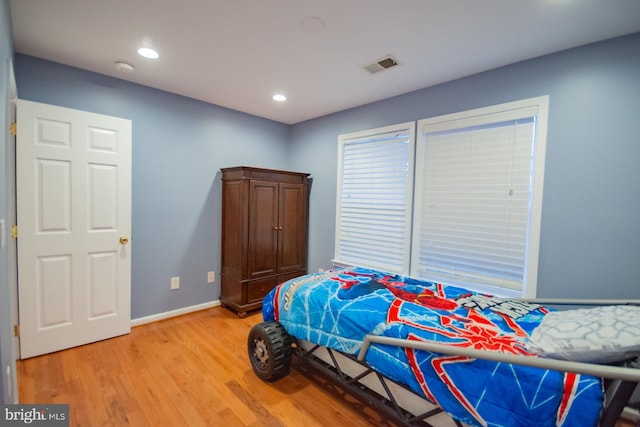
337	309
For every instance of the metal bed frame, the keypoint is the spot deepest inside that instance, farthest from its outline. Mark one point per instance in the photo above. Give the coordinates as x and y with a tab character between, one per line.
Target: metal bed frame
390	398
355	376
619	391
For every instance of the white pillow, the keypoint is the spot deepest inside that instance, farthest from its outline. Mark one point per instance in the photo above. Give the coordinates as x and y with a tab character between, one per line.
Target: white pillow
601	335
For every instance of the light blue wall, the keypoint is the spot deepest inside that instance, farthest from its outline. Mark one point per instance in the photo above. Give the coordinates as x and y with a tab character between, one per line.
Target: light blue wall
7	358
179	146
590	238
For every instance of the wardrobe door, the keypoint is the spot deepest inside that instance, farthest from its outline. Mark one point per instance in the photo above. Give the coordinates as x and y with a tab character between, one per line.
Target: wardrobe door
292	229
262	254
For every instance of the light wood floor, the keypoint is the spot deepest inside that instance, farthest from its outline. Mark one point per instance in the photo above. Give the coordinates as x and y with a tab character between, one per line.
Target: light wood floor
191	371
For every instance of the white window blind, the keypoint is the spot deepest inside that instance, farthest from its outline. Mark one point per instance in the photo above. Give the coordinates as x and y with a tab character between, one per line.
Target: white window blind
375	182
475	199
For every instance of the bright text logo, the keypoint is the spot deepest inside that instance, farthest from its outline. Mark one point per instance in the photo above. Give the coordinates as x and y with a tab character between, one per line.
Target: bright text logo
39	415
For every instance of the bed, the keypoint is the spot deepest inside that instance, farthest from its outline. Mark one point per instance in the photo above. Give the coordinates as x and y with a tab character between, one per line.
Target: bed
481	360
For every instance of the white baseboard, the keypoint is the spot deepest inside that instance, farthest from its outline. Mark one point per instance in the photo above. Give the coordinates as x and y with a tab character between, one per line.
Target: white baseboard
173	313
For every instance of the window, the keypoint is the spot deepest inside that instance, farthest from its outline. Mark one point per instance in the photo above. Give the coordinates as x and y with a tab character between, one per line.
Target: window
477	198
375	183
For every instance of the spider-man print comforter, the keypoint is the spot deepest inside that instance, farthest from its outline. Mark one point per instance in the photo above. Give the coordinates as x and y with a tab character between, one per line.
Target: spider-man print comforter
337	309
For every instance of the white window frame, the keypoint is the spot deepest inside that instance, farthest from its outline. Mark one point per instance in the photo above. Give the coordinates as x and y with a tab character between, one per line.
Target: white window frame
537	107
400	265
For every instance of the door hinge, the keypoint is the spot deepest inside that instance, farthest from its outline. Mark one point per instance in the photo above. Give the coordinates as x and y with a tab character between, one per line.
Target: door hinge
13	130
16	330
14	231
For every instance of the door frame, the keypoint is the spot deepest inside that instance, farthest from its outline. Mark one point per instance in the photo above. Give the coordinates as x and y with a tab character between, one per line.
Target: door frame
12	245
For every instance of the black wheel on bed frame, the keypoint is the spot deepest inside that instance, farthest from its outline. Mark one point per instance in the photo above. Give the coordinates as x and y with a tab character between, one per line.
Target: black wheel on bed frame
270	351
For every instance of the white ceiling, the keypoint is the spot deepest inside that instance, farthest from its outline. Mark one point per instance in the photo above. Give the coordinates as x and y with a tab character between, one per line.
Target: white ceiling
238	53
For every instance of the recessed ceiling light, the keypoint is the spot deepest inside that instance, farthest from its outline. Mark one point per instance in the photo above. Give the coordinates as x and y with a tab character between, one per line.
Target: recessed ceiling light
147	52
279	97
125	67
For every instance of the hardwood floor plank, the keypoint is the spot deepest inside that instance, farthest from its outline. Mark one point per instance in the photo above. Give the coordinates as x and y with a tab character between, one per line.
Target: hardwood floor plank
253	404
90	385
27	381
192	371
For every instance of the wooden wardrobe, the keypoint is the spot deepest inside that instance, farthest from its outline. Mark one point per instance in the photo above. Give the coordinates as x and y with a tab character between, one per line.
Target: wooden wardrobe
264	233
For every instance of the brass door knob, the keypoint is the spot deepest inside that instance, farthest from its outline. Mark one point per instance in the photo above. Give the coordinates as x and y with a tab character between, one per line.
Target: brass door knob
124	240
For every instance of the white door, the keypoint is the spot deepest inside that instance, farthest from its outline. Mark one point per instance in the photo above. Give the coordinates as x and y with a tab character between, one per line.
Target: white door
74	219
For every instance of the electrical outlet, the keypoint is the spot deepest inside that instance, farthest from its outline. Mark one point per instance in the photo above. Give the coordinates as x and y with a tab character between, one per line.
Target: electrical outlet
175	283
211	277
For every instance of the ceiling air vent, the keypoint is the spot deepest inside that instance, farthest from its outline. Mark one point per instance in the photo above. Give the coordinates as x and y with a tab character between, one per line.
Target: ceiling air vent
381	64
